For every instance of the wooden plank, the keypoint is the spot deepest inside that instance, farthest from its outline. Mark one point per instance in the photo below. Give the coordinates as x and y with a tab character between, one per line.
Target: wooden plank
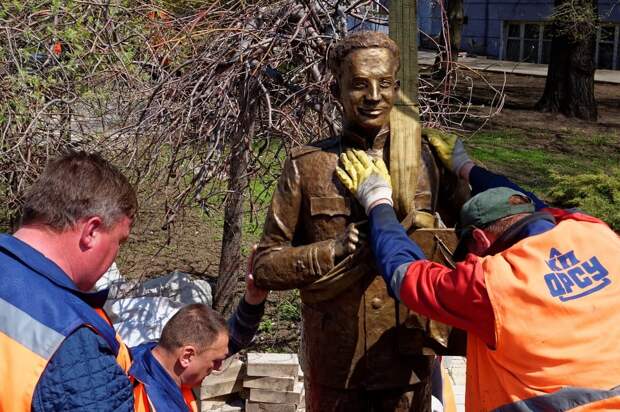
405	137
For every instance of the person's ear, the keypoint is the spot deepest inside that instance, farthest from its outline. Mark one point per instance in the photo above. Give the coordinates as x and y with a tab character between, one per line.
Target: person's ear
334	88
480	242
397	85
90	231
186	356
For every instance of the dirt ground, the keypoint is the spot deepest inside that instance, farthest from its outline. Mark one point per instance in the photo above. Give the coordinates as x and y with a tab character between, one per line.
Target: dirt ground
522	93
195	243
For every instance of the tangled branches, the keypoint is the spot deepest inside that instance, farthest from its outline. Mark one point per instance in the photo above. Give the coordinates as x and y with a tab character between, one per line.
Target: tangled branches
178	97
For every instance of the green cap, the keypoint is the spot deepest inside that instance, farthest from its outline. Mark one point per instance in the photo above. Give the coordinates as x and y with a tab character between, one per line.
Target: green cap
489	206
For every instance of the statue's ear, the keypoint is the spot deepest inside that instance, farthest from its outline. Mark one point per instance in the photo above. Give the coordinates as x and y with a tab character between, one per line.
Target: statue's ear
334	87
397	85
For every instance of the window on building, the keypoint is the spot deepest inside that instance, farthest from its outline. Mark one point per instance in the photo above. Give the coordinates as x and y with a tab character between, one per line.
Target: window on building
531	42
527	42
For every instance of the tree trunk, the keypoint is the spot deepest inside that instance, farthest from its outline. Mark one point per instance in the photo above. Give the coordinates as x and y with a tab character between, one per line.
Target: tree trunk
230	257
569	88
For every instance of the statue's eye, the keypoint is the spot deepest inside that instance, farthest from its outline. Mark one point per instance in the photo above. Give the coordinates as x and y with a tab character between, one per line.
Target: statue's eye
359	84
386	83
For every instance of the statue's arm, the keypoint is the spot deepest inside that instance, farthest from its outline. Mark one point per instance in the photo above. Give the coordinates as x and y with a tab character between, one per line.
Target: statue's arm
279	264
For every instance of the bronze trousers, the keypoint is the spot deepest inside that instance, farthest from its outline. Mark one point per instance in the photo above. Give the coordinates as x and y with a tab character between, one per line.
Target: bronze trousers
412	398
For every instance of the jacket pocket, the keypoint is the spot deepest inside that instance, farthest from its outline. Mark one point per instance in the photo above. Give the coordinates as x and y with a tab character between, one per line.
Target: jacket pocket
330	206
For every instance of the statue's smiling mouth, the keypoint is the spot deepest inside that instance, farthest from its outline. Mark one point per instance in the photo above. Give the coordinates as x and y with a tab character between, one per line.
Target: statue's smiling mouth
374	112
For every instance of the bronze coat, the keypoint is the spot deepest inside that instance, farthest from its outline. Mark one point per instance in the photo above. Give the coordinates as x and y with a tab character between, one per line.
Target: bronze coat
352	340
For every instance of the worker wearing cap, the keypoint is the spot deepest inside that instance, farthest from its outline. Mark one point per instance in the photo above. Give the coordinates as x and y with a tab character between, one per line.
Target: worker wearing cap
537	288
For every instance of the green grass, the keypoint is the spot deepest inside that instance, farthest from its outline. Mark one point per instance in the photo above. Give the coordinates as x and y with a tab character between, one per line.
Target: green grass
571	170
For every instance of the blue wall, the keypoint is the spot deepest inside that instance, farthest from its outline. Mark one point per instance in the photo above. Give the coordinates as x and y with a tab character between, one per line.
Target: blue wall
483	32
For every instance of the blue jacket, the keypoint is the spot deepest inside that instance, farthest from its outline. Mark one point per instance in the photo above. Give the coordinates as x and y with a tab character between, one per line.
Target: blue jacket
82	374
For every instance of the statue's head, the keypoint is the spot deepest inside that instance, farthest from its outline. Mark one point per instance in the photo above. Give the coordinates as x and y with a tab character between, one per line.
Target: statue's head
364	65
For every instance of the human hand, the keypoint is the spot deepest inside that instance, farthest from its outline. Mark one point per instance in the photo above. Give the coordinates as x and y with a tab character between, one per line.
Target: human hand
253	295
450	150
368	179
349	241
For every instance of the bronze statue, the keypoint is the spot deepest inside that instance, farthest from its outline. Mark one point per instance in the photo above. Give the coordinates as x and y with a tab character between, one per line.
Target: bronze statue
361	350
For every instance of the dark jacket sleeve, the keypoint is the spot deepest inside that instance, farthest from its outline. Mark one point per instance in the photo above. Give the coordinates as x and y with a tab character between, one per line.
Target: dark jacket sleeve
481	179
83	376
243	325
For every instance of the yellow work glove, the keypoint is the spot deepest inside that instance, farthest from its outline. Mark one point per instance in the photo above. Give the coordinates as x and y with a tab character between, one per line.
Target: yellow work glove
449	148
368	179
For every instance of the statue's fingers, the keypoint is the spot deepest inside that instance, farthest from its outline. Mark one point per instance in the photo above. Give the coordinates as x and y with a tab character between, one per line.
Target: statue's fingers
345	179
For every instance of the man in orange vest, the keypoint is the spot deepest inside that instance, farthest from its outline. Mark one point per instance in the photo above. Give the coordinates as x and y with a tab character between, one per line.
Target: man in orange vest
537	291
193	343
58	350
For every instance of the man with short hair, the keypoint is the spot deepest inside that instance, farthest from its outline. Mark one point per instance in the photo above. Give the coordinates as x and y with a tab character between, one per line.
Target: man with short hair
537	292
193	343
58	350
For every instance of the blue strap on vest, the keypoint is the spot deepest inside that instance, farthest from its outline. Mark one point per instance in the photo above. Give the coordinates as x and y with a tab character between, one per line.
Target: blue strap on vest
162	391
37	290
563	400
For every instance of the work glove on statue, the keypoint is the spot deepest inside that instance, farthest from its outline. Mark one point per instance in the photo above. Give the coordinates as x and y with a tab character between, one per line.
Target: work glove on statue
449	148
368	179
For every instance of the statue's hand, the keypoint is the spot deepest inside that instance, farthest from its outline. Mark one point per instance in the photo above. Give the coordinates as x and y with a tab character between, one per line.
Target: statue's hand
368	179
348	242
449	148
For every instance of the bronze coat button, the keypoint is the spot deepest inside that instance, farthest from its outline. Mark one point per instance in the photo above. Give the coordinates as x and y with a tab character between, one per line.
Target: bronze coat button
376	303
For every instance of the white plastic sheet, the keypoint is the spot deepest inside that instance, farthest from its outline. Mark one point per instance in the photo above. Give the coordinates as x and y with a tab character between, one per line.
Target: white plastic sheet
140	311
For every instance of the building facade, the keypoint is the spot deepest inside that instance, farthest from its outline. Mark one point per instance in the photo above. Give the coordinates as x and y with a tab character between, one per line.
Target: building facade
518	30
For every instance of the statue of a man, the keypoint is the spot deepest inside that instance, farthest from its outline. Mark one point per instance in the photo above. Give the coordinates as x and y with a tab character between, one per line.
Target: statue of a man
360	349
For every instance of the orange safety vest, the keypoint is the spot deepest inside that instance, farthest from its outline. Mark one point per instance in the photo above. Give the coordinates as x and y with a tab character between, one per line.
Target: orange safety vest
556	301
39	307
142	403
26	346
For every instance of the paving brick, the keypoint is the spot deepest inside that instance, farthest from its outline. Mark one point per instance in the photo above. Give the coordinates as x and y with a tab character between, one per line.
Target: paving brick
269	407
268	382
273	364
265	395
213	403
225	381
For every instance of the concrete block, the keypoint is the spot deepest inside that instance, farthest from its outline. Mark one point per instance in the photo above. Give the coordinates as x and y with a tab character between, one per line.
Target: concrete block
213	403
268	382
300	374
273	364
269	407
266	395
227	380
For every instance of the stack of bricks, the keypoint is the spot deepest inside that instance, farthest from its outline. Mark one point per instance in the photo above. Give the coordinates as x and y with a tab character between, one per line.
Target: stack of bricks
275	383
219	390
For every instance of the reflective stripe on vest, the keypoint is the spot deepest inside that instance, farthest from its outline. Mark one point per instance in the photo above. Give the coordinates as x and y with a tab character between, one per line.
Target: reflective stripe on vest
555	302
26	346
142	402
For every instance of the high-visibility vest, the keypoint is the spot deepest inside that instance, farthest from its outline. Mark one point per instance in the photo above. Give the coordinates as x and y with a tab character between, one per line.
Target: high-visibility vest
36	316
154	390
142	402
555	298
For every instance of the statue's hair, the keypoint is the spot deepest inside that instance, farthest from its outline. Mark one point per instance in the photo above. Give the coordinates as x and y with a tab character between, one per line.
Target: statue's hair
360	40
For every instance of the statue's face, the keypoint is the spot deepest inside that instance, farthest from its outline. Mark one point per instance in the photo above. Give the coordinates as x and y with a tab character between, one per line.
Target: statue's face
368	88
